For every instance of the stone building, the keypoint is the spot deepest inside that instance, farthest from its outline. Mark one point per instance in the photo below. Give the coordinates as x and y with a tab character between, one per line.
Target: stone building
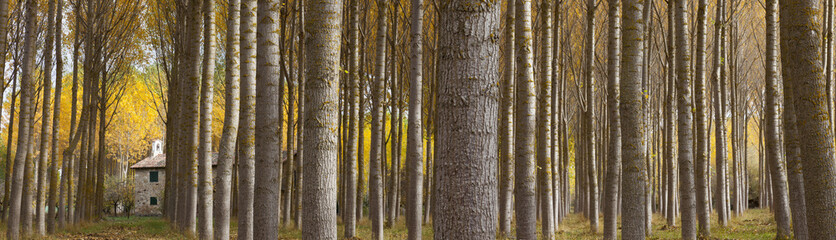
149	181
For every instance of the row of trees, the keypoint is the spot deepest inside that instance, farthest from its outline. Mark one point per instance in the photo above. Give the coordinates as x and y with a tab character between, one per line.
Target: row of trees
50	182
642	140
515	125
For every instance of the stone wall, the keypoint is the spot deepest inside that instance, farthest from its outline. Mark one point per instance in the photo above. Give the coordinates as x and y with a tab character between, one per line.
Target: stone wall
144	190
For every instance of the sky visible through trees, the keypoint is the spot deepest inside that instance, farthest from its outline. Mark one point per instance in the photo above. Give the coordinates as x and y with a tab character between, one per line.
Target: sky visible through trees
411	119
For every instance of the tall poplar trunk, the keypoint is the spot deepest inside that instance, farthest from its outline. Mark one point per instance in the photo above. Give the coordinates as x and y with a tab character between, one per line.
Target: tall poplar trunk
543	134
348	210
24	132
589	123
794	168
267	124
670	121
320	189
506	126
720	198
686	147
525	199
632	122
55	220
205	187
800	58
376	152
46	118
772	131
246	133
300	135
466	186
701	168
191	112
226	156
613	180
414	144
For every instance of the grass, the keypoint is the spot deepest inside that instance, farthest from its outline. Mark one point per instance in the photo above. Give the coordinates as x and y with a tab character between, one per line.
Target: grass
754	224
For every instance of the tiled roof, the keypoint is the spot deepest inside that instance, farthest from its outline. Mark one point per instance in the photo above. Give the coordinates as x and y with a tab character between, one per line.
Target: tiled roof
158	161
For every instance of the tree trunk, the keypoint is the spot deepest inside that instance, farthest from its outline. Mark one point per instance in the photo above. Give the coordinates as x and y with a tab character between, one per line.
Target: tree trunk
800	58
591	142
525	199
226	155
320	189
246	134
205	187
56	196
191	112
27	85
45	137
632	122
300	135
772	108
613	181
794	168
348	210
703	161
506	123
670	120
720	116
269	95
377	150
466	186
686	148
543	134
414	144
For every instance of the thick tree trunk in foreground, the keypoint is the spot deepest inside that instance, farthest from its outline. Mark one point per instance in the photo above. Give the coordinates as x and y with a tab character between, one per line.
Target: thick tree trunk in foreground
632	123
322	96
466	189
794	168
525	198
800	46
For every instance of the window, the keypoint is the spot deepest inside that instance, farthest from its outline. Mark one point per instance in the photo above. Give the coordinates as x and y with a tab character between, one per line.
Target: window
155	176
153	201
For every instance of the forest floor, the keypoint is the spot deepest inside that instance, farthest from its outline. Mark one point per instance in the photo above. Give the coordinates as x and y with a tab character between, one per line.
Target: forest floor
754	224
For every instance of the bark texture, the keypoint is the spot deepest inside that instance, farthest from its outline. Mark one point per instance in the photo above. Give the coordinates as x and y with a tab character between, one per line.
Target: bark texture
246	133
414	143
525	198
632	123
322	96
800	47
684	109
613	180
465	204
